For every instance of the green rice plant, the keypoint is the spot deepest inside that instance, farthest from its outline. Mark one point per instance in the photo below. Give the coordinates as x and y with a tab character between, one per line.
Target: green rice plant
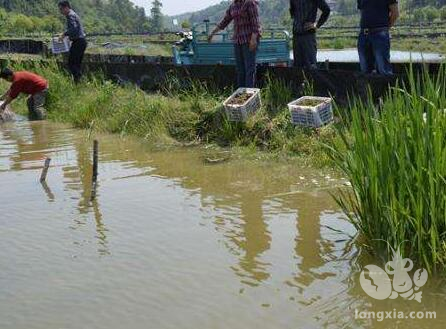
276	94
396	164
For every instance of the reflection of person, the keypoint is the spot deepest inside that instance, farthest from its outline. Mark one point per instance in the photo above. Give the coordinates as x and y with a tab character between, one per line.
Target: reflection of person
27	83
245	15
75	31
304	14
255	238
377	17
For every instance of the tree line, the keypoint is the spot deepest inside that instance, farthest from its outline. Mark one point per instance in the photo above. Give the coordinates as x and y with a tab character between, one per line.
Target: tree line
99	16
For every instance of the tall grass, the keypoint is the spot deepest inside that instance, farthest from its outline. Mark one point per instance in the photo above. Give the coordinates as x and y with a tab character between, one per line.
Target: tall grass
184	112
396	163
277	94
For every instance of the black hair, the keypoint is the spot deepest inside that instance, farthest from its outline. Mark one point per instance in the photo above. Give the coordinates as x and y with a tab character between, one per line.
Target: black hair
64	4
6	73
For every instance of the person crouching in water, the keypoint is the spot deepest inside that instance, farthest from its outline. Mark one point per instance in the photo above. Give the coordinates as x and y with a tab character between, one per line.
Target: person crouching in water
245	14
27	83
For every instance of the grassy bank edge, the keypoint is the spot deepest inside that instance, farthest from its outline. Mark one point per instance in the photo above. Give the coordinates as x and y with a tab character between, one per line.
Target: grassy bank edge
181	115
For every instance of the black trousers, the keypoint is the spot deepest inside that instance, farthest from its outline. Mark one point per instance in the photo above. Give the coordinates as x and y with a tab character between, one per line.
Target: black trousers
305	50
75	58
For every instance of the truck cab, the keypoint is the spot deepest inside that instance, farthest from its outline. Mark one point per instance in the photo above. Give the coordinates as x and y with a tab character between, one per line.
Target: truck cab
274	48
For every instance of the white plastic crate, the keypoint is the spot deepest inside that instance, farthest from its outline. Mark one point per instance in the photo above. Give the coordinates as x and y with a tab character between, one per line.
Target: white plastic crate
240	113
311	116
60	47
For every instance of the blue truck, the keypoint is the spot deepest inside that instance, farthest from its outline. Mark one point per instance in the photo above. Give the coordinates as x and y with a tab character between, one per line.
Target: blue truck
194	48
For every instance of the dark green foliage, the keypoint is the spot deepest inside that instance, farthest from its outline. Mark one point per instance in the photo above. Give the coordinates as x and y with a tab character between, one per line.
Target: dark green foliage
24	16
396	163
156	17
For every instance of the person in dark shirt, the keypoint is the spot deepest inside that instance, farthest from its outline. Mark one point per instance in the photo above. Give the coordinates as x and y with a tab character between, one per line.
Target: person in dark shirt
27	83
377	17
304	14
76	33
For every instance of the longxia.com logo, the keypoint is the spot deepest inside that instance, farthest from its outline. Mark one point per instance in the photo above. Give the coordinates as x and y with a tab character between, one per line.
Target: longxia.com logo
378	284
381	315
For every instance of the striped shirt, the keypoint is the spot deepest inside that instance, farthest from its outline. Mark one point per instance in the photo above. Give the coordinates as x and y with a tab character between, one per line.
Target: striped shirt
75	29
245	14
305	11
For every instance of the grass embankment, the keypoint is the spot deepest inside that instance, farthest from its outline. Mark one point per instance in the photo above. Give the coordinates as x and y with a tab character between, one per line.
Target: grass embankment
179	116
396	163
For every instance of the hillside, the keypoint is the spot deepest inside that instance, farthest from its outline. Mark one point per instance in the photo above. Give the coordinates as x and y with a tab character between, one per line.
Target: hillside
275	12
271	11
24	16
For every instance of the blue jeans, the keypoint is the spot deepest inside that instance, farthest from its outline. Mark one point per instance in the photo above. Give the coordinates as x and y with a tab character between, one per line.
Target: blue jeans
245	60
374	52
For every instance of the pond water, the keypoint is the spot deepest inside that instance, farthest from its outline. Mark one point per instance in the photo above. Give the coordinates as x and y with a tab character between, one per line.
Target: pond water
172	241
351	56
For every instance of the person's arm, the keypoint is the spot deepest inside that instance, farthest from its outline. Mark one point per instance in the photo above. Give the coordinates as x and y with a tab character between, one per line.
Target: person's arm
223	23
13	92
254	19
394	12
325	8
7	100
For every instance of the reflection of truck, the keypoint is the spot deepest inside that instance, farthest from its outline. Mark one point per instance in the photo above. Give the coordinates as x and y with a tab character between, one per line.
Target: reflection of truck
194	49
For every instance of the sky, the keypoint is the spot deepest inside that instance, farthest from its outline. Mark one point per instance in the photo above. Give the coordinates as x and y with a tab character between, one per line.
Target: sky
175	7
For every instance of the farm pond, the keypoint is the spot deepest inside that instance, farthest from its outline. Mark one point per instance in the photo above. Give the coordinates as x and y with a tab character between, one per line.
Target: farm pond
175	241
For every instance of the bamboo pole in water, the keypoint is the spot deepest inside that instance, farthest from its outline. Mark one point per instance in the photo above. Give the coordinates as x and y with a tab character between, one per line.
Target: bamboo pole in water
46	166
95	169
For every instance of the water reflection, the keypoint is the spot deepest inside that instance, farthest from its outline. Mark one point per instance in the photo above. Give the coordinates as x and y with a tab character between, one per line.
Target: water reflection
34	141
48	192
240	218
30	143
269	233
82	175
253	240
101	230
310	246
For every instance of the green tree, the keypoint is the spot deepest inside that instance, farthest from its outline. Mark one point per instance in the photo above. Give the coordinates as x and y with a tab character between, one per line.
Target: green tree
418	15
430	13
186	25
443	13
51	24
22	24
97	15
156	18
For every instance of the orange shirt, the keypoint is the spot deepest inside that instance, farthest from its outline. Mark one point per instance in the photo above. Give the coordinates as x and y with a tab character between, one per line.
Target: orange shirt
27	83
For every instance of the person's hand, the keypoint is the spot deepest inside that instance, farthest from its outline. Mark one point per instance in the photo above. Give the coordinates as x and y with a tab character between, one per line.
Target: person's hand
253	43
61	37
309	26
210	37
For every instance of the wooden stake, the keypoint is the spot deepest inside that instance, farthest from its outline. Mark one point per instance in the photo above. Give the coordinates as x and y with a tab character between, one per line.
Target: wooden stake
95	169
46	166
95	160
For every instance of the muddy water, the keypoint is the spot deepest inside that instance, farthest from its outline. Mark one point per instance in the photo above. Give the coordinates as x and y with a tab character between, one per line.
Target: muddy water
174	242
